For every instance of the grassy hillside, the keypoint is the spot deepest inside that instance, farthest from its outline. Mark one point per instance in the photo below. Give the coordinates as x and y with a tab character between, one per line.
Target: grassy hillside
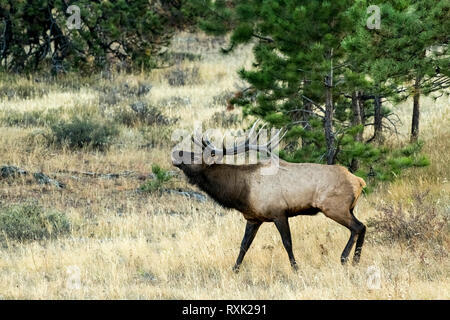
127	244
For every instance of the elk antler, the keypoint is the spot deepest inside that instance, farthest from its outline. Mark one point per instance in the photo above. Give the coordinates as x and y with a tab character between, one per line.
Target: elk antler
249	144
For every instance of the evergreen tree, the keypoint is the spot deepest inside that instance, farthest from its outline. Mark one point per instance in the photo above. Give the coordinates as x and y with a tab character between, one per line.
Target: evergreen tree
305	78
408	55
35	31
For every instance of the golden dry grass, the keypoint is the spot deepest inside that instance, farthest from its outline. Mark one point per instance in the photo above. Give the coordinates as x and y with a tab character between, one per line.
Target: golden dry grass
129	245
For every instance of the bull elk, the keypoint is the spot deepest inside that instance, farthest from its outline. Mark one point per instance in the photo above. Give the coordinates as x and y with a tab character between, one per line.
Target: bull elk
295	189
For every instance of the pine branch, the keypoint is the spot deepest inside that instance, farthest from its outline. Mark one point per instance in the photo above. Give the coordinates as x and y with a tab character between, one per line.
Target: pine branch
314	103
307	111
270	40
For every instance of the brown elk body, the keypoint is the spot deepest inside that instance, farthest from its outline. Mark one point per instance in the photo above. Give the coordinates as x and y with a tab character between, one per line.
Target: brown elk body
295	189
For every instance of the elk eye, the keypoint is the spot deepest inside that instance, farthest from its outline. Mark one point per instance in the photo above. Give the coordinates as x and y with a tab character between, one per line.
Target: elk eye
180	153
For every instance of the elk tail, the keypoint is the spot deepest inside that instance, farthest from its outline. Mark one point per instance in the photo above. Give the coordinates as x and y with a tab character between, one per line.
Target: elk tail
358	191
362	182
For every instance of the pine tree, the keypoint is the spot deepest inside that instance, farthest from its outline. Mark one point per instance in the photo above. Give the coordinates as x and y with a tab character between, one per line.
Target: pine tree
305	78
408	55
35	31
433	54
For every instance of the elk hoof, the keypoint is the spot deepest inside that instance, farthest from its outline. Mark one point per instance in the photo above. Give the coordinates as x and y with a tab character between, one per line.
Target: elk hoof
236	269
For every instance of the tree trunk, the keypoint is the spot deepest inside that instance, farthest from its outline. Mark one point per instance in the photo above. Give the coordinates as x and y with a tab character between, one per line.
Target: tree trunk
329	111
357	113
306	114
362	110
378	119
416	111
7	36
356	121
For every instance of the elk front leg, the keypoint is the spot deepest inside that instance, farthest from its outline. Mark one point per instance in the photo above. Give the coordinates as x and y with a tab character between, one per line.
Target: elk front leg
250	232
282	225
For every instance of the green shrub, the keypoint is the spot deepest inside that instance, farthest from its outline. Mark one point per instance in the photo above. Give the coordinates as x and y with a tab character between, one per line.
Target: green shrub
222	98
83	132
174	102
35	118
161	177
156	136
224	119
11	90
140	113
30	221
125	116
178	57
182	76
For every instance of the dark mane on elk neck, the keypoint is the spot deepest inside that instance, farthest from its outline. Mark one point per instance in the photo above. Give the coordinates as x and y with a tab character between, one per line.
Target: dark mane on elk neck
223	183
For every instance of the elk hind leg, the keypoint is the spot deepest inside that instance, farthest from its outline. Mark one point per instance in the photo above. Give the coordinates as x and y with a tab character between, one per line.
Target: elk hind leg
361	230
357	232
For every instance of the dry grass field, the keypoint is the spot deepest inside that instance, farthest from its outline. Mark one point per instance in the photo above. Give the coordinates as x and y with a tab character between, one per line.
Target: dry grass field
125	244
